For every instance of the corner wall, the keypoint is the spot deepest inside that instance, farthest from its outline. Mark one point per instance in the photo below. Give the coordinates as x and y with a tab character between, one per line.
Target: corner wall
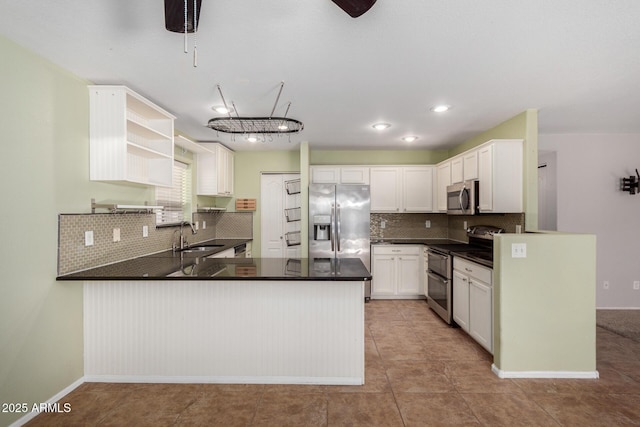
589	168
545	318
45	171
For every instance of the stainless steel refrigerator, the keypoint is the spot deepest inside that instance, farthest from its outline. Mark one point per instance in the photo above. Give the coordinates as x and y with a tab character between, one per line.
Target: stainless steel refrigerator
339	223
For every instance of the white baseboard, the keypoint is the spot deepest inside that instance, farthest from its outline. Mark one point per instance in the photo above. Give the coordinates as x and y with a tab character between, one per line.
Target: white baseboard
62	393
185	379
545	374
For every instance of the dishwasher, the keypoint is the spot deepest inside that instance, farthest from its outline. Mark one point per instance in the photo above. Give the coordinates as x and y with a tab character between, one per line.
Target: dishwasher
240	251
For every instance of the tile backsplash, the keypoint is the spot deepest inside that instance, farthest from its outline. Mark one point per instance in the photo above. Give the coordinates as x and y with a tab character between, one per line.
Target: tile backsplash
442	226
73	255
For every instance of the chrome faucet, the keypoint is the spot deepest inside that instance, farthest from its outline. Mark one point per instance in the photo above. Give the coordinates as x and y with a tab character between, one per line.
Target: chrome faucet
184	244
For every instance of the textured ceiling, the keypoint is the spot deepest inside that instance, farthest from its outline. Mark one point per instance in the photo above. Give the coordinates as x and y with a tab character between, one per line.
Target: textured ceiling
577	61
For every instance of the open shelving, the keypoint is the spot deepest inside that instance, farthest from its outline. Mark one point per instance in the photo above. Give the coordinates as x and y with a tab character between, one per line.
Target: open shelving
131	138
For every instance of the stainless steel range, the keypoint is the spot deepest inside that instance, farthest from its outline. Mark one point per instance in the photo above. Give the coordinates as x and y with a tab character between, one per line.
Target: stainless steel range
440	262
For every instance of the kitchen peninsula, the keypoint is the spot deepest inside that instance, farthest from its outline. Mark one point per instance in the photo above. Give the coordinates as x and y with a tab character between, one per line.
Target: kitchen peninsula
190	317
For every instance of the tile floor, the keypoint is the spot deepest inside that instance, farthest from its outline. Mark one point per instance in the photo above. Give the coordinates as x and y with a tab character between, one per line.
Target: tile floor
419	372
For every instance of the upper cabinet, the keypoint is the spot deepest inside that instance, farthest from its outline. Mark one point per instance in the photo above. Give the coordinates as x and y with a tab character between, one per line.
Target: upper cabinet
443	180
401	189
131	139
214	167
470	165
464	167
339	174
215	171
500	169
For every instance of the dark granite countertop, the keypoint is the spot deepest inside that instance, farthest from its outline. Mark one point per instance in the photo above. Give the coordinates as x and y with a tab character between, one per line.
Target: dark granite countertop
394	241
169	265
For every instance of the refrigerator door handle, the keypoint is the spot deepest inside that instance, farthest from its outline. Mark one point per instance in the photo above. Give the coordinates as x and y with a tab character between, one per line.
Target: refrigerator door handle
338	227
331	222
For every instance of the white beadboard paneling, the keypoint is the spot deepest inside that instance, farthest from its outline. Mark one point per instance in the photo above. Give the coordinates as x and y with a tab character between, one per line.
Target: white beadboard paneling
226	331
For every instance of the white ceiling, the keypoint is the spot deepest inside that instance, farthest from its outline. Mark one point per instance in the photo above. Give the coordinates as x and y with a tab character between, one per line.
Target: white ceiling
577	61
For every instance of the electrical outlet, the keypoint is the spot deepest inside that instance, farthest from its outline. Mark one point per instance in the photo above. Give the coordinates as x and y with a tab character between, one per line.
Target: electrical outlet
197	225
518	250
605	285
383	223
204	225
518	228
636	285
464	225
88	238
116	235
427	224
145	231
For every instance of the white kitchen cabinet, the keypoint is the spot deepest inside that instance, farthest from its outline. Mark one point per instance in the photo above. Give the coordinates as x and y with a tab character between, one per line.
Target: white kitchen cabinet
339	175
396	271
500	169
386	189
354	175
461	300
473	300
481	313
417	189
215	168
470	165
457	169
325	174
402	189
443	180
130	138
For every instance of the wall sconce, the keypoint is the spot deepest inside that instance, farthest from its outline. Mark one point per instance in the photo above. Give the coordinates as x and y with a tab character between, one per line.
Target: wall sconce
630	184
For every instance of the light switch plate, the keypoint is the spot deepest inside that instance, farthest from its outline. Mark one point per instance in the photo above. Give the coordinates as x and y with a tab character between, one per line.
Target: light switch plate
204	225
145	231
116	235
383	224
88	238
518	250
197	225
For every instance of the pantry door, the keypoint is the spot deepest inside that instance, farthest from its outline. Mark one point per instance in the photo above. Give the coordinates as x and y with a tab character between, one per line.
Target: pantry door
274	199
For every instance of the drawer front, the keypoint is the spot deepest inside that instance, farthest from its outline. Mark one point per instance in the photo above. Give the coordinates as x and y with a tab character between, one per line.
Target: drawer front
472	269
396	249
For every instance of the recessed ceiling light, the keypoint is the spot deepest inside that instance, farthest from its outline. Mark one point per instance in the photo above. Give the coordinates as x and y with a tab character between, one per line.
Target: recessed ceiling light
221	109
409	138
381	126
440	108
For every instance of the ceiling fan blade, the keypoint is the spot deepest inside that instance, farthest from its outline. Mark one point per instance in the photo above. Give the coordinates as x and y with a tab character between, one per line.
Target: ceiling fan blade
355	8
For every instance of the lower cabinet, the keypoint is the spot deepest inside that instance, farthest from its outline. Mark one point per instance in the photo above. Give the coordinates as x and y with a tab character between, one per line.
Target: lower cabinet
397	272
473	300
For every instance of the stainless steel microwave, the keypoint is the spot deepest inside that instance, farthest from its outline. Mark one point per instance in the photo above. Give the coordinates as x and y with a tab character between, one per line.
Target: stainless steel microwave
462	198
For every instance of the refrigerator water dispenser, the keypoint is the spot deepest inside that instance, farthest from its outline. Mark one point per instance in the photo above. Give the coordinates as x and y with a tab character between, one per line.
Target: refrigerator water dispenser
321	227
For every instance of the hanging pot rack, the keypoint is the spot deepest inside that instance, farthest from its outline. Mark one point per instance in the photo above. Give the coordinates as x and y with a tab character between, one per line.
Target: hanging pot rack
255	125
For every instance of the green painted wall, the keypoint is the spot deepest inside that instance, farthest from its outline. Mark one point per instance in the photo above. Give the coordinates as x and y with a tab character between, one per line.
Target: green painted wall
523	126
377	157
247	169
545	318
45	171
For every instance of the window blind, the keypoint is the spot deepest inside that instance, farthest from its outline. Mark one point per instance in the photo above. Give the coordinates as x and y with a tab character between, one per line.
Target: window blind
177	198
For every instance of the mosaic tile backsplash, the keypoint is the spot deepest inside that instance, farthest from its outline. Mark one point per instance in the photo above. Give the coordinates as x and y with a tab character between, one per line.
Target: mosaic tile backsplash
442	226
73	255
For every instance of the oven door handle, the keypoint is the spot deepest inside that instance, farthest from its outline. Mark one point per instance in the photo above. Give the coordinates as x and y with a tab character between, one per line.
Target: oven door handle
431	252
437	277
